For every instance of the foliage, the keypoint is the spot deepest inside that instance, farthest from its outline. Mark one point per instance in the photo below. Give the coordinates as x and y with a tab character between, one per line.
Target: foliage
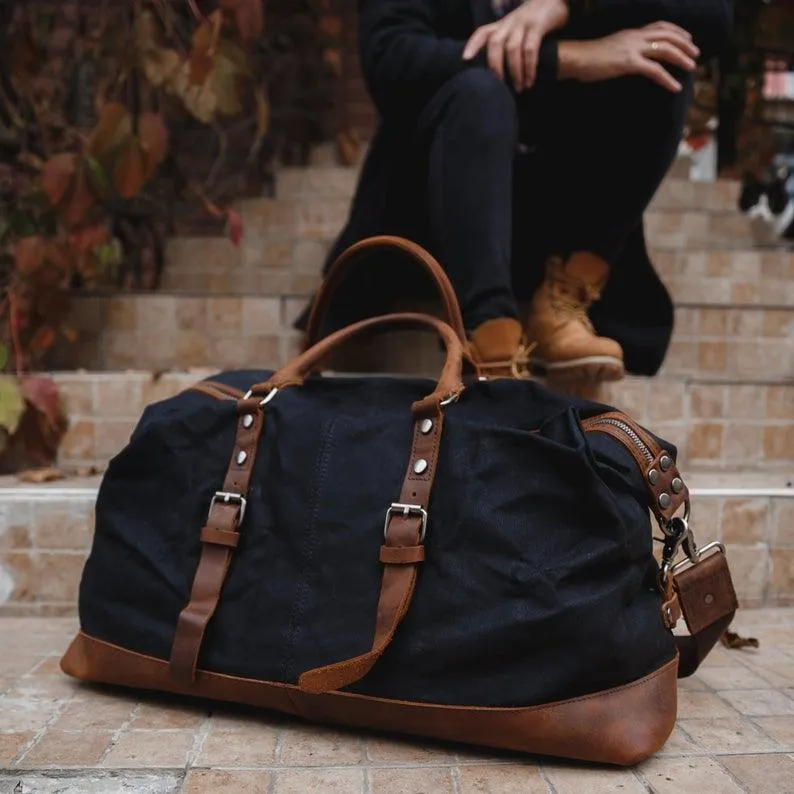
73	173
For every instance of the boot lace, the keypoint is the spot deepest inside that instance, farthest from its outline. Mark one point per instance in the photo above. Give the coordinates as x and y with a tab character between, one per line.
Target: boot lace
570	296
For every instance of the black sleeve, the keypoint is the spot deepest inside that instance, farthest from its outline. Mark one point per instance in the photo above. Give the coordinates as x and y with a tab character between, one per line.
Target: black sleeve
709	21
404	59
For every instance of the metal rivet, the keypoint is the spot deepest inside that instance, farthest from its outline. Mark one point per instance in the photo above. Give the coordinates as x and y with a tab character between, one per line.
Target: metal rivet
708	598
653	476
665	463
241	457
248	420
426	426
420	467
669	612
677	485
665	500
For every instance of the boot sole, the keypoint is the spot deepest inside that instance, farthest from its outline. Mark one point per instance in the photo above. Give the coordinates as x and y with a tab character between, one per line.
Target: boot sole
590	368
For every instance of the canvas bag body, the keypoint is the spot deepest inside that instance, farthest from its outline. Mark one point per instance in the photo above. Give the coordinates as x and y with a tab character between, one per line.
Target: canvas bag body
537	586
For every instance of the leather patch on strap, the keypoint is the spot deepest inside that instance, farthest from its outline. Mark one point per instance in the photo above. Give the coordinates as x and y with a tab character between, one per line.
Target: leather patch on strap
225	515
406	524
220	537
402	555
708	601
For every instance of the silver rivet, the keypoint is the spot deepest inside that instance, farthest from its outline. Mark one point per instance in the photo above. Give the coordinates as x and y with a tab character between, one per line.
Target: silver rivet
653	476
664	501
426	426
241	457
669	612
665	463
708	598
248	420
677	485
420	467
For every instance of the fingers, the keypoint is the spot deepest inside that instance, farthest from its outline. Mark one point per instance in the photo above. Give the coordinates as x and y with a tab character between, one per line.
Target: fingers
515	58
672	54
532	41
653	70
667	31
477	41
496	53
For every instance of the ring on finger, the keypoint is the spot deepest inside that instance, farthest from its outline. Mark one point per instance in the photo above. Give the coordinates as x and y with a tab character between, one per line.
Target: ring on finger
654	45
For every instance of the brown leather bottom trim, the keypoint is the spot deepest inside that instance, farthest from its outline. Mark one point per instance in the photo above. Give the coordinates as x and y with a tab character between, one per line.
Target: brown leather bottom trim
620	726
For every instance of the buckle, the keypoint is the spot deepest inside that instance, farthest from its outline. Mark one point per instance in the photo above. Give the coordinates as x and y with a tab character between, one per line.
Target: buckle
268	397
699	556
678	535
405	510
229	498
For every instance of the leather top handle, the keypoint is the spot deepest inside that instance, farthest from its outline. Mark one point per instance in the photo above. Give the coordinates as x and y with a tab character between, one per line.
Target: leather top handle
449	384
355	255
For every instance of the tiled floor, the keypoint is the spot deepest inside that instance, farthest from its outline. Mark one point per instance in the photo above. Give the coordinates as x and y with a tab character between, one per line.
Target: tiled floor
735	733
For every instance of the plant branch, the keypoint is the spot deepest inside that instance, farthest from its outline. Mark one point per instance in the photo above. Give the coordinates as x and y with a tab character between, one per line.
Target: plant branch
13	321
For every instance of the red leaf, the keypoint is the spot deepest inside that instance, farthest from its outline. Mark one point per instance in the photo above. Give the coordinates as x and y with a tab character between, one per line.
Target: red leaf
129	174
201	65
29	254
43	339
56	176
234	226
113	127
80	198
43	395
88	238
154	138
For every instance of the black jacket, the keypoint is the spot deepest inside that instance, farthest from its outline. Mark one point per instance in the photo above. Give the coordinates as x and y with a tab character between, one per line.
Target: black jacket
409	49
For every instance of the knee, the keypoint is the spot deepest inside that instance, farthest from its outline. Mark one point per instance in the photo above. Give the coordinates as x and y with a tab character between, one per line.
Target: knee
483	107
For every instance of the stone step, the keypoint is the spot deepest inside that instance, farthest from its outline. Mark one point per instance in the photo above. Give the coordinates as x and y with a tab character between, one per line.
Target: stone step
721	196
208	266
46	531
716	425
164	332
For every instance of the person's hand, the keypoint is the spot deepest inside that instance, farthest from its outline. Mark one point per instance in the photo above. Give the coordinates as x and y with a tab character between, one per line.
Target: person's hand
631	52
517	38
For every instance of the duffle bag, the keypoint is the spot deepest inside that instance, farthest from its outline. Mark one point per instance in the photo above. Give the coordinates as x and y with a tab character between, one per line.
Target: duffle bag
470	560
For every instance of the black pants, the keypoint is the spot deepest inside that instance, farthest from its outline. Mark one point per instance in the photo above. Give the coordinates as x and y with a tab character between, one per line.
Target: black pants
511	180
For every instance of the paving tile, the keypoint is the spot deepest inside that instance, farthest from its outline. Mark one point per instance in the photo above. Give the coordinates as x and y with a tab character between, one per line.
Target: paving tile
501	779
781	729
702	705
230	748
680	743
382	750
218	781
678	775
148	749
321	781
760	702
91	783
153	716
427	780
12	743
732	678
729	735
100	713
762	774
317	746
21	714
576	780
67	748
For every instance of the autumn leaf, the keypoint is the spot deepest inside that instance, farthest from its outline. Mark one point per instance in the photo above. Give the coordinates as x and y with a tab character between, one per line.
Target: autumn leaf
29	254
153	135
248	16
234	225
88	238
262	113
12	404
43	339
130	170
43	395
113	128
333	60
3	355
70	335
161	66
41	476
56	176
80	198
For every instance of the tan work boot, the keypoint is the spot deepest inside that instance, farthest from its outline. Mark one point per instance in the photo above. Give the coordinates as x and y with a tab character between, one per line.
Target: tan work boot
497	347
567	347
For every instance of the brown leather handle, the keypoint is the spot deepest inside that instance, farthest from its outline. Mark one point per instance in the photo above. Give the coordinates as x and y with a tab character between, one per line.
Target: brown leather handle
355	255
449	384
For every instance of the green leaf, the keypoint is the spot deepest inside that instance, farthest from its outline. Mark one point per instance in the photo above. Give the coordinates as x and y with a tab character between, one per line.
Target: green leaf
3	356
98	175
12	403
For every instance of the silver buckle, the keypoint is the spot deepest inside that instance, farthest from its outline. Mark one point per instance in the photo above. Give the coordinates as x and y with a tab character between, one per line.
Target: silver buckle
268	397
679	535
229	498
700	554
405	510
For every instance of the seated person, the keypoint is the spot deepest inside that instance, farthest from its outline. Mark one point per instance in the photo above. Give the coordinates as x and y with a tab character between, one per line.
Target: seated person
521	143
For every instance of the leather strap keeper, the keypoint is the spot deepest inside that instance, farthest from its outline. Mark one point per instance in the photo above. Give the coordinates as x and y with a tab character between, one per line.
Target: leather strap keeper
220	537
402	555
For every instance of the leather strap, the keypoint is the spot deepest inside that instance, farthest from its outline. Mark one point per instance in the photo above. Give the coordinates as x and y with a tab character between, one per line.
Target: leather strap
405	529
218	540
355	256
708	602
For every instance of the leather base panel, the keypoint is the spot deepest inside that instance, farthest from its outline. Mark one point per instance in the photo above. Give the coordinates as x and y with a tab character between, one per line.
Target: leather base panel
621	726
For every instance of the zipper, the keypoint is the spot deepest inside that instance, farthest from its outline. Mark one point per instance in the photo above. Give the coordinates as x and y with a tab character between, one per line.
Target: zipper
627	432
625	428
